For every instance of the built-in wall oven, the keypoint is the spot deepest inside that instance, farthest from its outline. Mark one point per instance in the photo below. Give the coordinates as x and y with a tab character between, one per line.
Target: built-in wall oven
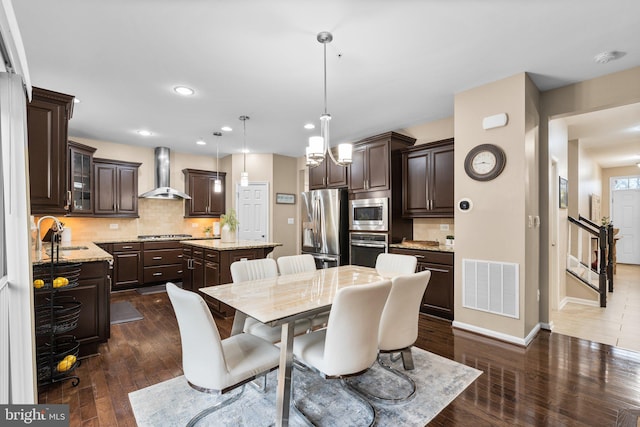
364	248
369	214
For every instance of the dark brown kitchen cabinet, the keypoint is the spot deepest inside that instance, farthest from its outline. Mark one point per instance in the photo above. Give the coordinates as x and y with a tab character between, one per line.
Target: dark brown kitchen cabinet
211	267
427	180
48	116
116	188
205	202
162	261
371	166
80	179
127	265
438	298
328	175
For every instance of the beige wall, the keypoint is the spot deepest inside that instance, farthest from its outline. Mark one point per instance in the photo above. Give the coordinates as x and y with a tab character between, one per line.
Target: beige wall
495	229
284	181
609	91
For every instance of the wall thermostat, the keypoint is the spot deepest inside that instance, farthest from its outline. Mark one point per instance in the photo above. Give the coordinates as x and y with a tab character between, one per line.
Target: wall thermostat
465	205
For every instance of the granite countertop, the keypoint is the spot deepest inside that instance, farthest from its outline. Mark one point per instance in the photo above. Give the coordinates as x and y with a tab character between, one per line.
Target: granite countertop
78	251
422	247
219	246
137	239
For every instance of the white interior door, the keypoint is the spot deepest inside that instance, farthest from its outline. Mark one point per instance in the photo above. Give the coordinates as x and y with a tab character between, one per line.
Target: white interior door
253	211
626	217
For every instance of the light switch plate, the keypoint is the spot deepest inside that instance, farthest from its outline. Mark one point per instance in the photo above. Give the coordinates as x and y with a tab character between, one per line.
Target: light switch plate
289	221
114	226
194	225
444	227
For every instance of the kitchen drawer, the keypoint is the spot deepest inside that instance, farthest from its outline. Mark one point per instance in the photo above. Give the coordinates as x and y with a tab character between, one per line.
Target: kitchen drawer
197	253
162	273
162	257
245	254
126	247
163	244
211	255
426	256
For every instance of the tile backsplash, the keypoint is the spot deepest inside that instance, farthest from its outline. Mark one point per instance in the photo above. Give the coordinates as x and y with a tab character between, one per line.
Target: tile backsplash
429	229
156	217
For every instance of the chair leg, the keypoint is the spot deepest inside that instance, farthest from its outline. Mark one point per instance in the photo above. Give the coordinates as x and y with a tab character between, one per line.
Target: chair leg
346	387
389	400
260	387
407	359
193	421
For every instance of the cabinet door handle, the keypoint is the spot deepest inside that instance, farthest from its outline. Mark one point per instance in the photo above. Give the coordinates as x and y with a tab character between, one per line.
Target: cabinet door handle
419	256
438	270
157	274
180	256
179	271
157	257
127	247
324	181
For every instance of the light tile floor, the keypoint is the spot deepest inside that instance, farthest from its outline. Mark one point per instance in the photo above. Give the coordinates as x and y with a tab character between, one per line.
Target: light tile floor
618	324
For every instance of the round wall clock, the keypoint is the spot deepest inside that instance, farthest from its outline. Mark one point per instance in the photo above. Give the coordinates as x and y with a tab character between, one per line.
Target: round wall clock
485	162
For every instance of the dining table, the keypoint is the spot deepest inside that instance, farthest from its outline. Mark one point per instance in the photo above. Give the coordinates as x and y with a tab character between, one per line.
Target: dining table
280	301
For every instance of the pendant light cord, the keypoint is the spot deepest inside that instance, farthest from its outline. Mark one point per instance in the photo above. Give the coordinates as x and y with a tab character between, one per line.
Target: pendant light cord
244	148
325	77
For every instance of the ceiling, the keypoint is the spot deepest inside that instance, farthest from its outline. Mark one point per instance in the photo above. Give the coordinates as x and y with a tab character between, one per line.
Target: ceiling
391	65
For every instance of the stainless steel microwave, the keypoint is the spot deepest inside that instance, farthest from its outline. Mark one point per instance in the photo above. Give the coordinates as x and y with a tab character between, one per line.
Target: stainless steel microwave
369	214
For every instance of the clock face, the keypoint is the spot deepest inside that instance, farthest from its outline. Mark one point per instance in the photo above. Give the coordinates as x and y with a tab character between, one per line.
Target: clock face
485	162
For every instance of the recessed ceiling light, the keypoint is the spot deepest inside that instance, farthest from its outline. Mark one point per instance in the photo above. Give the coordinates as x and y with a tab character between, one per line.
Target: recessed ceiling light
246	150
76	100
201	142
309	126
144	132
226	128
183	90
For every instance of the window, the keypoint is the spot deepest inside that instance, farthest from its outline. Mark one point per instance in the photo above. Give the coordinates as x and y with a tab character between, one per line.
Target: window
625	183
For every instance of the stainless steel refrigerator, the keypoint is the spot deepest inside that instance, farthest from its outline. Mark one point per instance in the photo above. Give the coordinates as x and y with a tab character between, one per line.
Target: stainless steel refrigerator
325	232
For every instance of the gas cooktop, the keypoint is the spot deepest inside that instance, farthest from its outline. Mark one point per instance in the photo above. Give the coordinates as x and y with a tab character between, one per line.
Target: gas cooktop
162	236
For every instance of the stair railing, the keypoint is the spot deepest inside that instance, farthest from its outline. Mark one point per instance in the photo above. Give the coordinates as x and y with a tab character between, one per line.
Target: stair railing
581	270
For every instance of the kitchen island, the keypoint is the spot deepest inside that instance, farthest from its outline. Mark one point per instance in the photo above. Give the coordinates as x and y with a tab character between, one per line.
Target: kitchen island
207	263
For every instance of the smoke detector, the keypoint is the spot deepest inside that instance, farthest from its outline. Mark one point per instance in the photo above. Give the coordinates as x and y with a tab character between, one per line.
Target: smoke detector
607	56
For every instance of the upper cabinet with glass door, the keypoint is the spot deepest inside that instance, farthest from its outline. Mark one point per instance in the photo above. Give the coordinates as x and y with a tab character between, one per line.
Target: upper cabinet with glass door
81	179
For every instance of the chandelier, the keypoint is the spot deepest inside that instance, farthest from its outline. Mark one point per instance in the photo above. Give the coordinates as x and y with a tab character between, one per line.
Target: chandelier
319	146
244	176
217	184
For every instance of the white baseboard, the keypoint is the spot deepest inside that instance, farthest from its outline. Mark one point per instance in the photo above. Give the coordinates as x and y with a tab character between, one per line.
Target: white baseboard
546	326
582	301
498	335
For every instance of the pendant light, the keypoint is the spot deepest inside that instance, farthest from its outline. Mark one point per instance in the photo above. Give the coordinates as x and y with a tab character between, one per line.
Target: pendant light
244	176
319	146
217	184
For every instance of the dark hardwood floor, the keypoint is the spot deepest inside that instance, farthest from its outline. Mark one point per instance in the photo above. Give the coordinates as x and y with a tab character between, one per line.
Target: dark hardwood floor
556	381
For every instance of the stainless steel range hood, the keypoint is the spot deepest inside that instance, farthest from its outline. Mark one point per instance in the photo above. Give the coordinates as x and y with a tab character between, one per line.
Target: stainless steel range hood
162	190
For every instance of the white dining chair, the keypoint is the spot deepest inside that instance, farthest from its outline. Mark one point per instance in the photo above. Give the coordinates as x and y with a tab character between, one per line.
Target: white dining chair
255	269
212	365
349	344
399	329
293	264
395	264
296	264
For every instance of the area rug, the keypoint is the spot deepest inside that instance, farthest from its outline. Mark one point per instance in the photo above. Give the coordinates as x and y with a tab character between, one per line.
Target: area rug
123	311
438	380
628	418
155	289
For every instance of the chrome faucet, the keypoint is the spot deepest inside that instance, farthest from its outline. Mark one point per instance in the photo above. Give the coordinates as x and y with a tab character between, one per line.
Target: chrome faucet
56	226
